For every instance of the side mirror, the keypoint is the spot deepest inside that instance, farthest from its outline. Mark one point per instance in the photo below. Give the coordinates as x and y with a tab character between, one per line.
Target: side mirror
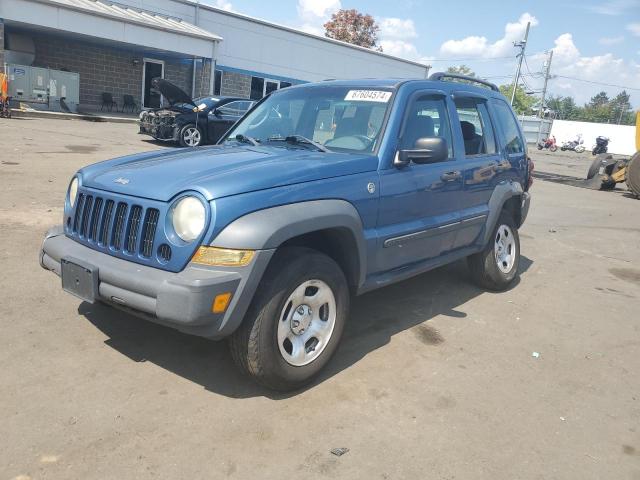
426	150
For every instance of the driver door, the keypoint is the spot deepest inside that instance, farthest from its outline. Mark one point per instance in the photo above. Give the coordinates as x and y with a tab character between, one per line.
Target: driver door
224	117
418	213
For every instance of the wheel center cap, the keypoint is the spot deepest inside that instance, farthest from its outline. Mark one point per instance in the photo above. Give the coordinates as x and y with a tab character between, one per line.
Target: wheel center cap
301	319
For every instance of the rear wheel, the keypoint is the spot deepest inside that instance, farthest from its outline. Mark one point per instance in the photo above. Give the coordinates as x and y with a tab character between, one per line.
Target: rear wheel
579	149
190	136
632	174
496	266
594	168
294	324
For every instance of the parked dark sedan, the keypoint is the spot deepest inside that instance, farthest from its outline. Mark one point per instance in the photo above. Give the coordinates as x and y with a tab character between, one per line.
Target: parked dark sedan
191	122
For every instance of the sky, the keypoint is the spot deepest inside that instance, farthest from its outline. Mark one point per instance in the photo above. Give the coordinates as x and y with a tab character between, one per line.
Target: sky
592	40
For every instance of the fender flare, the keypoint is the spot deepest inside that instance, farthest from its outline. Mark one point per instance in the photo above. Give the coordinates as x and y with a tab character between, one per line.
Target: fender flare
271	227
501	193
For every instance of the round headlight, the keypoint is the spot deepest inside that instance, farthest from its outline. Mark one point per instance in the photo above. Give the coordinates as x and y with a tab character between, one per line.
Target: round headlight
188	218
73	191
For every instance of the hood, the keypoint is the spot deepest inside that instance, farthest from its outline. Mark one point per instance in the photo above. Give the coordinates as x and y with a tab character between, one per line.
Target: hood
172	93
219	171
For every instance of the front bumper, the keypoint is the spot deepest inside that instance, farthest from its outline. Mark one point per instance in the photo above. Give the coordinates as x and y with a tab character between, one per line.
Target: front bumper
159	132
180	300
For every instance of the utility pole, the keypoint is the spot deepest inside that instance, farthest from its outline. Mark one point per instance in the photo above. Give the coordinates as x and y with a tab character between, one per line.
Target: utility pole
546	79
522	45
544	94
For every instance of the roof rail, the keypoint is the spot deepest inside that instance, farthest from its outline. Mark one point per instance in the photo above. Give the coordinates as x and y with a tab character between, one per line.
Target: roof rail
438	76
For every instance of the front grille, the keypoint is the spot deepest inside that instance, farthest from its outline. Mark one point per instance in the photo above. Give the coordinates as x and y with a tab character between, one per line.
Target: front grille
121	227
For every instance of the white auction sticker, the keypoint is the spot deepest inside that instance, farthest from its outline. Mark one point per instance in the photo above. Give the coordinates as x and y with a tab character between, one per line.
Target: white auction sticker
368	96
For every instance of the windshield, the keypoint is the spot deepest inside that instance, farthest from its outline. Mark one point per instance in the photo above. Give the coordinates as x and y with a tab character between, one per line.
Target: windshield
338	118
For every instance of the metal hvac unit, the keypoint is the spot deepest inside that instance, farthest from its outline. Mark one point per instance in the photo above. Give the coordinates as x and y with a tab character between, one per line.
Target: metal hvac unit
54	89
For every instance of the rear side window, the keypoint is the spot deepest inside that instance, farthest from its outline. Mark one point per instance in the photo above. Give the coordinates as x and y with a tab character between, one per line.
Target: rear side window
508	127
427	117
476	127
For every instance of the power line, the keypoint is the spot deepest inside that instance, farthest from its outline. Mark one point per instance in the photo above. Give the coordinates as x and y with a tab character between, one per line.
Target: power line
480	59
596	83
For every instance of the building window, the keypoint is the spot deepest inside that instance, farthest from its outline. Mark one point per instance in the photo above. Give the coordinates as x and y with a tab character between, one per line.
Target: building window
217	82
264	86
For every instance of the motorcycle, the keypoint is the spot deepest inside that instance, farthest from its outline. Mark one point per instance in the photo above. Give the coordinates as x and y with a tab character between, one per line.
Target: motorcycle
576	145
549	143
601	146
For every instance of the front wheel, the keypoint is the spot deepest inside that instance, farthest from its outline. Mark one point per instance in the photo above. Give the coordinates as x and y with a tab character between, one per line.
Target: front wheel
579	149
496	266
295	322
553	148
190	136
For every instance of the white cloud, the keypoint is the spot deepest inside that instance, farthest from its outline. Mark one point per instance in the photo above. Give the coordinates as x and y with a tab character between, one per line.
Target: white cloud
477	46
607	68
611	40
313	11
397	28
224	5
614	7
313	14
634	28
400	48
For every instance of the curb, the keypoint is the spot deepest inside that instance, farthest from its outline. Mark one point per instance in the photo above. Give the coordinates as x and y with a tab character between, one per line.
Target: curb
70	116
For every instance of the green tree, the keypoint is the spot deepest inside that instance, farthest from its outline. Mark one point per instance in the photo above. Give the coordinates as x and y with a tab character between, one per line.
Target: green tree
599	100
461	70
621	109
522	102
353	27
565	108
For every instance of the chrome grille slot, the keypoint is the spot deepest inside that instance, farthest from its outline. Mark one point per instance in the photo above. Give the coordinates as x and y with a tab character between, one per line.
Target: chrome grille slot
86	212
118	226
132	229
78	215
149	232
95	216
106	221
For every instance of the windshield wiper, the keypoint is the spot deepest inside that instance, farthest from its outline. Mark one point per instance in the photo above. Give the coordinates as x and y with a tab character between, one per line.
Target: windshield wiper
246	139
297	140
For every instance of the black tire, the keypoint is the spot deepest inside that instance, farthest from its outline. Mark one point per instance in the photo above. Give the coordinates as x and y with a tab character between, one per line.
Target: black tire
594	168
632	174
184	135
254	345
563	149
553	148
484	265
540	147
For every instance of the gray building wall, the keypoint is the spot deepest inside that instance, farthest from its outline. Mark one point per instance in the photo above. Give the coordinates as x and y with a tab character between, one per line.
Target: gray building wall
235	85
107	69
1	43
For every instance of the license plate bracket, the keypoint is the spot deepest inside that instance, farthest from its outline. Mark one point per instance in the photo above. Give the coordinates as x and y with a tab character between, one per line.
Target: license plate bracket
79	278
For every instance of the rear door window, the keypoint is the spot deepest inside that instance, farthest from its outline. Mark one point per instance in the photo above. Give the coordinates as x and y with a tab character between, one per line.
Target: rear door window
508	127
477	131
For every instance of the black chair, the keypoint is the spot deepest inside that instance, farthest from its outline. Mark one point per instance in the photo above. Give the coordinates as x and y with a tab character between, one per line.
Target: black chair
129	102
107	100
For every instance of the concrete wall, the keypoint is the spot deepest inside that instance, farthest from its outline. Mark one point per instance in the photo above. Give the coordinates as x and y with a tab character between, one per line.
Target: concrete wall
621	137
281	52
107	69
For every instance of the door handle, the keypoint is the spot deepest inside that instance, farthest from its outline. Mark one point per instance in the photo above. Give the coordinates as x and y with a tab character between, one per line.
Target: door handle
451	176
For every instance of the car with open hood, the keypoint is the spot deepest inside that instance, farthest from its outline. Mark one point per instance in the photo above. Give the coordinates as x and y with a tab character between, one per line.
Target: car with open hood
319	193
191	122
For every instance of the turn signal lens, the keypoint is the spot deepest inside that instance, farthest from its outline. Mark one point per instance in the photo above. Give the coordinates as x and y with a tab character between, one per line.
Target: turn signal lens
222	257
221	302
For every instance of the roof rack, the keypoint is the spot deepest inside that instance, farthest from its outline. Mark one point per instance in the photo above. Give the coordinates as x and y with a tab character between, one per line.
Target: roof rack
438	76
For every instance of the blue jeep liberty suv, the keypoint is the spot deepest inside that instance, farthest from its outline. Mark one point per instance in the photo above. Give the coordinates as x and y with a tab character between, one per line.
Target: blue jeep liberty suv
321	191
